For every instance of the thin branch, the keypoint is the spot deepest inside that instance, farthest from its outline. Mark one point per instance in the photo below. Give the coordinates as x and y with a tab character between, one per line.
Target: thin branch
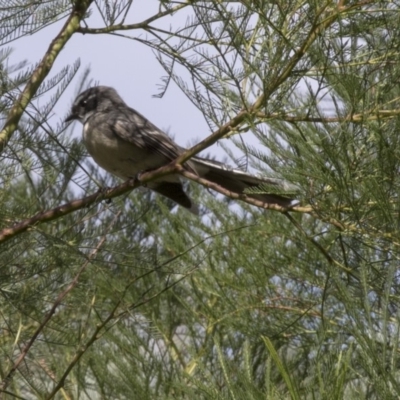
224	130
66	209
42	70
238	196
355	118
140	25
174	167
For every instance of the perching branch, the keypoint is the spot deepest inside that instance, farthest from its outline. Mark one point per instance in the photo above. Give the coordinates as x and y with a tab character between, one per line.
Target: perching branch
67	208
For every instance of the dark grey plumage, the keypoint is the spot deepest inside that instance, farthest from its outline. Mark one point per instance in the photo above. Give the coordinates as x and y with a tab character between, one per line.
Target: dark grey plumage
125	143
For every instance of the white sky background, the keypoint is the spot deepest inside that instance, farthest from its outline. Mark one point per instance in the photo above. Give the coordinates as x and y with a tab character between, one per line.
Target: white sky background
128	66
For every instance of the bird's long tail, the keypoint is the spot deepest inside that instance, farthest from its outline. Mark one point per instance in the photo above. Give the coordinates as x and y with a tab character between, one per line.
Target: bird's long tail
237	181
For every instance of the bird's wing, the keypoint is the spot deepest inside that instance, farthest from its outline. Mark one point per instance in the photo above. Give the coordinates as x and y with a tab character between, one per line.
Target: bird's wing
131	126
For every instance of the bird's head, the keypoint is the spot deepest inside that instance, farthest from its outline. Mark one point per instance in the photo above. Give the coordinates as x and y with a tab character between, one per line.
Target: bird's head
95	99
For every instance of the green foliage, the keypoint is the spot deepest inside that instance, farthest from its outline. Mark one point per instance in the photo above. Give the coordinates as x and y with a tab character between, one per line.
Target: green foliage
22	17
134	298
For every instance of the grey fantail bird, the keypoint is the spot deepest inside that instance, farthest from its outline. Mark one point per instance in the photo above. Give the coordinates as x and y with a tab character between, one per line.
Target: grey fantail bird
125	143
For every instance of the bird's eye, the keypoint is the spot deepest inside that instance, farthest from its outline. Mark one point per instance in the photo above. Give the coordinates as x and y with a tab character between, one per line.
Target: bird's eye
83	103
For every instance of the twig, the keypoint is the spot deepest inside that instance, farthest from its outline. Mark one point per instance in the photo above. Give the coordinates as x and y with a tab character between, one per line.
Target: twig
140	25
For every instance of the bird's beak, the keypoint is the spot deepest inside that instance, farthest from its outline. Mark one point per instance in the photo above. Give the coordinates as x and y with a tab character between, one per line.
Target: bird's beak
70	117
